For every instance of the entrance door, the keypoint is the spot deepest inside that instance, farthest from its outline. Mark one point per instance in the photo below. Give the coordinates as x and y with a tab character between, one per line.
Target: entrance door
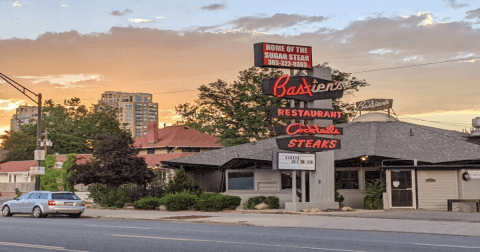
403	188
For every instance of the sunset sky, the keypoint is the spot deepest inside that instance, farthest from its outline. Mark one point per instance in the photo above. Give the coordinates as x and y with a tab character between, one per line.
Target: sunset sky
68	48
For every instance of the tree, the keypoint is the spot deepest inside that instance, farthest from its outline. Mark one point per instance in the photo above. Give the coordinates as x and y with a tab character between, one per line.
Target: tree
114	163
50	181
236	113
71	127
182	183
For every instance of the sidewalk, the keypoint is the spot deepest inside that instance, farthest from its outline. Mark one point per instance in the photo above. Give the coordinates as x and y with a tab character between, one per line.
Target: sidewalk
409	221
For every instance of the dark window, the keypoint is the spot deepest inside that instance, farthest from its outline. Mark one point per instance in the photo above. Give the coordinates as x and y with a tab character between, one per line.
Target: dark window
170	149
64	196
34	196
240	181
372	176
286	180
43	196
347	179
150	151
190	149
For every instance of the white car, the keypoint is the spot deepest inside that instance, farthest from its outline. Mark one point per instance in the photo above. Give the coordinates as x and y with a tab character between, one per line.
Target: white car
42	203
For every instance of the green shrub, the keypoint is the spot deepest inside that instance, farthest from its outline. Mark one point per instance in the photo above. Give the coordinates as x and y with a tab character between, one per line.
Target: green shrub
218	202
180	201
271	201
108	197
338	197
374	195
147	203
182	183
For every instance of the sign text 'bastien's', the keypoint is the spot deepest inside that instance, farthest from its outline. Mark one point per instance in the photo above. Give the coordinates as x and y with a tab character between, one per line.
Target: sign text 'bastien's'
302	88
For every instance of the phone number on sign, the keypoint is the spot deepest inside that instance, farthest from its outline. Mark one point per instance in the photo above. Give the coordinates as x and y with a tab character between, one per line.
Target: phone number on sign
287	63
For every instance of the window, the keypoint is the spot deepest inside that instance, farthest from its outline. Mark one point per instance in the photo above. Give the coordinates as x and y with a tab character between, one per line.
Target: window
34	196
150	151
64	196
286	180
372	176
347	179
240	181
190	149
138	99
25	196
43	196
128	106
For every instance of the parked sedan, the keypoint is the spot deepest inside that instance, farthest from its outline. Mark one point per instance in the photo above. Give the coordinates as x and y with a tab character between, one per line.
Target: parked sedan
42	203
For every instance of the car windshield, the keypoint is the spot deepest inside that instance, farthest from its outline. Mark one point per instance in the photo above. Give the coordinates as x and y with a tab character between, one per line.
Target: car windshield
64	196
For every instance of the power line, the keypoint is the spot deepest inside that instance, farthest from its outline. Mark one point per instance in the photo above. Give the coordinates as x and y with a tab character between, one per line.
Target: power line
444	123
425	64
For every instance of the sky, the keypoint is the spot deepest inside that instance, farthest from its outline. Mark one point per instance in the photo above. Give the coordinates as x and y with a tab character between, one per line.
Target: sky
67	48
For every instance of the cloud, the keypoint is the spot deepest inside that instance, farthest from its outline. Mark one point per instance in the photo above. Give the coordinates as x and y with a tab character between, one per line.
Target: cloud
139	20
10	104
214	7
63	81
275	21
159	17
454	4
64	5
17	4
472	14
120	13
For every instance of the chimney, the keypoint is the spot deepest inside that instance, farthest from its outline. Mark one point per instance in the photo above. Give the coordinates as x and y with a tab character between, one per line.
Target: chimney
152	133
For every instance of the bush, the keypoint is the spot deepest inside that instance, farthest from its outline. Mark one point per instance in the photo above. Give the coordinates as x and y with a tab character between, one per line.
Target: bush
338	197
271	201
136	192
108	197
182	183
218	202
374	195
180	201
148	203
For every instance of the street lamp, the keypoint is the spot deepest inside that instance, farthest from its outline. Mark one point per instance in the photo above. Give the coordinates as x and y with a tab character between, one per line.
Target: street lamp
25	91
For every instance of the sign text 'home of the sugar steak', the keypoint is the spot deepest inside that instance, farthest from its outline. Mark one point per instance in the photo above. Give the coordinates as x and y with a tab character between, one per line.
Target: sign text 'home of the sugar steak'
282	56
308	143
305	113
302	88
298	128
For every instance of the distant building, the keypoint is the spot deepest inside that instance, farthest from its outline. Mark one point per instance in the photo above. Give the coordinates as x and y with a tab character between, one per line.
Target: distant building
137	110
23	115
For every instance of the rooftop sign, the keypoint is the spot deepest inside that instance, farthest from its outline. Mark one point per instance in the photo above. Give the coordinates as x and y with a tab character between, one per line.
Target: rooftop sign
374	104
298	128
282	56
302	88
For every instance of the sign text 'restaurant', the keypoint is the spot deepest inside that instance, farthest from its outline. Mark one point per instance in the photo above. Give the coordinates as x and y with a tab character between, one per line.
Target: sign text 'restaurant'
305	113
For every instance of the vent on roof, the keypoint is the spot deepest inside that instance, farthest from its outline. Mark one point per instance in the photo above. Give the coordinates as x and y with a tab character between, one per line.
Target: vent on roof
476	127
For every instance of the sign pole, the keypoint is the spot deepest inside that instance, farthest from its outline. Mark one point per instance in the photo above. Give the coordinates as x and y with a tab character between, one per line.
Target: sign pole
294	173
39	134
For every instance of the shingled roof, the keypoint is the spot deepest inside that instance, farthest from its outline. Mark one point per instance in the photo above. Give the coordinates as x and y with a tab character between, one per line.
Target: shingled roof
394	139
177	136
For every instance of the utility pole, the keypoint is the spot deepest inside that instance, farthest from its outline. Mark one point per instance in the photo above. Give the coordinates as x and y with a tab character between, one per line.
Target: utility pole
27	91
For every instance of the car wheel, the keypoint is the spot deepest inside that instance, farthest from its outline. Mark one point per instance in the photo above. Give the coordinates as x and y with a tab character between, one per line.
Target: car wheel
6	211
37	212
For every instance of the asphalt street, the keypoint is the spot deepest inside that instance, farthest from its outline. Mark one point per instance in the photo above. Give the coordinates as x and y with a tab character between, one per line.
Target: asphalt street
24	233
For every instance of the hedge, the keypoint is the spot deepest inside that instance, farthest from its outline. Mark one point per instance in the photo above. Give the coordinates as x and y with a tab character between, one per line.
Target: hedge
180	201
218	202
148	203
271	201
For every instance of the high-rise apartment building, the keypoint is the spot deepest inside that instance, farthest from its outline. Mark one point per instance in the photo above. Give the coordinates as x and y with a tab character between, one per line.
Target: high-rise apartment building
23	115
137	110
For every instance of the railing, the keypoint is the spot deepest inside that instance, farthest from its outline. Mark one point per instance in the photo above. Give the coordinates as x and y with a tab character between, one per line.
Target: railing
22	186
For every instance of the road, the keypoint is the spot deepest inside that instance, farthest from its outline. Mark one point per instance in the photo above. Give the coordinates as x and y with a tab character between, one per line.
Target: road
24	233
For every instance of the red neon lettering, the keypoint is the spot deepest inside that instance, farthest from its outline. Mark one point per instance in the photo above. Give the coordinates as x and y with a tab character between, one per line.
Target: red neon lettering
292	143
317	144
294	131
327	114
301	112
325	144
281	86
309	144
300	143
307	113
308	88
339	114
294	112
287	112
320	113
281	112
333	144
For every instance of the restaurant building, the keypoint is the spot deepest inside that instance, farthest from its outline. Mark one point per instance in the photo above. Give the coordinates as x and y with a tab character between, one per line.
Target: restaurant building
422	166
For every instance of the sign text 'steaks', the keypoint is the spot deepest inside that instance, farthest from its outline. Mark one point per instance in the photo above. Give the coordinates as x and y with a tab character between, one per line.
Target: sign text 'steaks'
308	144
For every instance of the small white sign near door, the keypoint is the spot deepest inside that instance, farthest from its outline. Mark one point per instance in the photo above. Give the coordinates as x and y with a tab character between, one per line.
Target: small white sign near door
474	174
396	183
296	161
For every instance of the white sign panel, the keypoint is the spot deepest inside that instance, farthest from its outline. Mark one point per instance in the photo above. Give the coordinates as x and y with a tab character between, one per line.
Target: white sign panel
37	170
39	155
474	174
296	161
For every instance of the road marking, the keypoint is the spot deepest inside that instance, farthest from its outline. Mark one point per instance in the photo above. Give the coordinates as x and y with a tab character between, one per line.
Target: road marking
449	246
241	243
115	226
24	245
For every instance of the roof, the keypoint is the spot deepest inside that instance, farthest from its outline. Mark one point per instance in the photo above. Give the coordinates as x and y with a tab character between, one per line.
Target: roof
17	166
179	136
393	139
155	159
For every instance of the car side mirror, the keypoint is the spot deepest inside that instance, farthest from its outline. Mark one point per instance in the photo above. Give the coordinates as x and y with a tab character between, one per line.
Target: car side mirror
15	198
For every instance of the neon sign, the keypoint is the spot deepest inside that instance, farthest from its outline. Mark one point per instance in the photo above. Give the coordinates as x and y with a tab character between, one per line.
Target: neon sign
298	128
